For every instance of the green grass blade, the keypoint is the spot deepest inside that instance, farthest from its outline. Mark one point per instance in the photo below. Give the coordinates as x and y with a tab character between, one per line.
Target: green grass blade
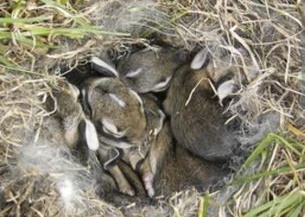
292	145
66	12
75	33
6	62
275	207
286	204
30	42
20	70
297	211
5	35
280	171
259	149
289	145
24	20
205	206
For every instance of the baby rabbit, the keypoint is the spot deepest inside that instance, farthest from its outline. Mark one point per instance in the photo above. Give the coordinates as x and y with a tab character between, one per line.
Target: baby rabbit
155	118
175	168
68	123
100	65
150	71
197	119
116	111
118	114
183	170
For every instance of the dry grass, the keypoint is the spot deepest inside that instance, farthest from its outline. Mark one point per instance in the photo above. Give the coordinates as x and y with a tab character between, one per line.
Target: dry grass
40	36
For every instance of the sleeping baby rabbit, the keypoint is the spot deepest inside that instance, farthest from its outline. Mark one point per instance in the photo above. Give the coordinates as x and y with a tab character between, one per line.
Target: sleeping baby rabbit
68	123
150	71
118	114
174	168
197	118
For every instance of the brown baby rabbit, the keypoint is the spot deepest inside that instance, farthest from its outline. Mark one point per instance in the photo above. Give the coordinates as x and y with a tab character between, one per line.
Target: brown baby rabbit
174	168
197	119
155	119
150	71
118	114
116	111
69	122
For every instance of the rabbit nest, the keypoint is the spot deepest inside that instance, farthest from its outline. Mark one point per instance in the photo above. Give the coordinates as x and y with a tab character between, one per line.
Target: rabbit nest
49	36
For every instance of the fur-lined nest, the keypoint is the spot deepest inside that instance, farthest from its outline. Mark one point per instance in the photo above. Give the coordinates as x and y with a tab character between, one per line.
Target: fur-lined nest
43	39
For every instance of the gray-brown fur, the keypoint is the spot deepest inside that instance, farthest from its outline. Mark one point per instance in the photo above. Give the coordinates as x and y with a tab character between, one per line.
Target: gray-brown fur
183	170
197	119
155	119
175	168
155	69
160	147
64	123
104	97
118	114
135	155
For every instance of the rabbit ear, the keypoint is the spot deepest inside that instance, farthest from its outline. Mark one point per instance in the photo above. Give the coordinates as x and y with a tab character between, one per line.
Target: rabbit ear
200	59
74	90
70	132
90	134
104	68
85	101
225	89
160	124
139	100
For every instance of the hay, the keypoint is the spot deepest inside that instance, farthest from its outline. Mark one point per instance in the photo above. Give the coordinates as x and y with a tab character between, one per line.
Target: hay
40	38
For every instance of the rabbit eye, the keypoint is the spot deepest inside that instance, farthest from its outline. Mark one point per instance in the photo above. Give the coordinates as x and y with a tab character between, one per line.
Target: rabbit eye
163	79
228	76
134	73
161	85
109	128
111	136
